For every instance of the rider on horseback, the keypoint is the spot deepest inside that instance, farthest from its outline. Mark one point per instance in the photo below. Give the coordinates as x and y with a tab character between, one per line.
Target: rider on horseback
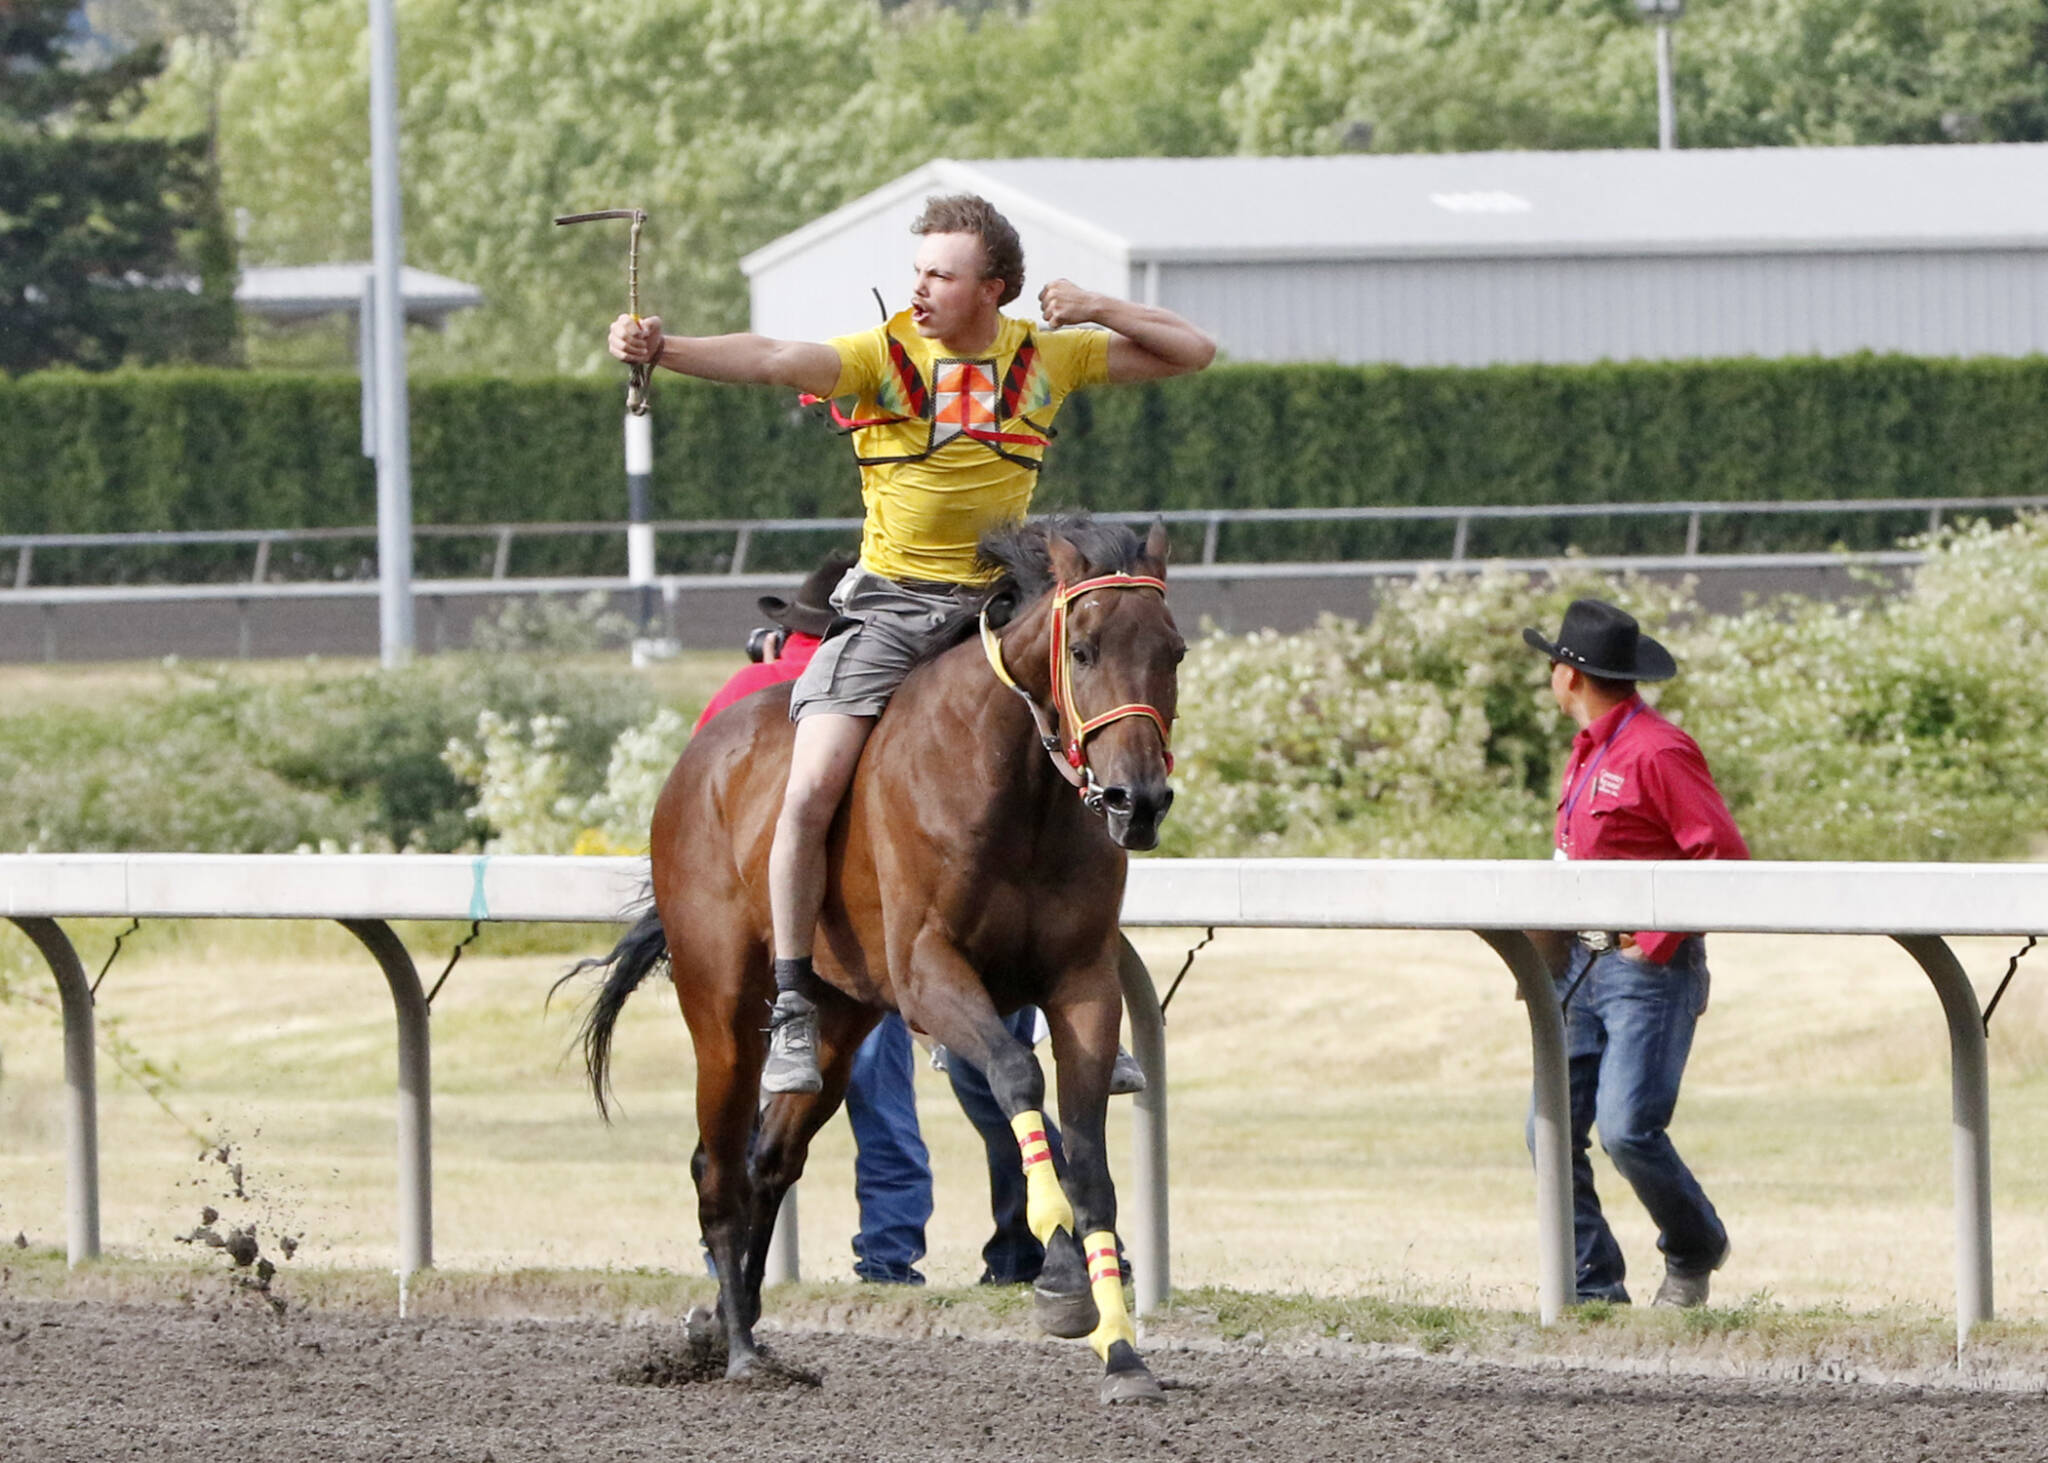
954	403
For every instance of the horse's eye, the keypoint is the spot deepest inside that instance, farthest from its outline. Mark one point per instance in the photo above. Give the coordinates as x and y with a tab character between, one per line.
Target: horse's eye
1084	655
1180	654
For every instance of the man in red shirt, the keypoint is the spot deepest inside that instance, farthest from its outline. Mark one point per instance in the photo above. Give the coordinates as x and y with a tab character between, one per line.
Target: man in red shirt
1635	787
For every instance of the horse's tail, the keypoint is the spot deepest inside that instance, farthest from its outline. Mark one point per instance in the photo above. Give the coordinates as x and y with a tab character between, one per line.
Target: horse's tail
633	959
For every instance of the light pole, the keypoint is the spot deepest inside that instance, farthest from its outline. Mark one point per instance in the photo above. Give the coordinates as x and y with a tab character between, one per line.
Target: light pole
394	424
1664	14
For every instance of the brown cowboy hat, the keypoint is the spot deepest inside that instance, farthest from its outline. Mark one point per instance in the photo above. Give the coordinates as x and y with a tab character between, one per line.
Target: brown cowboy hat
1604	641
811	612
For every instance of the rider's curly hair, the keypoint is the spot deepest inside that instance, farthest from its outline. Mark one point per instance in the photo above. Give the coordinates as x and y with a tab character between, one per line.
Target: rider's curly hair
1002	251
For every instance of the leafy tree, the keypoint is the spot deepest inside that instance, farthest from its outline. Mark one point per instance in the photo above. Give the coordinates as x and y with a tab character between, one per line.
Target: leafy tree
110	247
730	121
1447	75
734	121
1837	72
1433	75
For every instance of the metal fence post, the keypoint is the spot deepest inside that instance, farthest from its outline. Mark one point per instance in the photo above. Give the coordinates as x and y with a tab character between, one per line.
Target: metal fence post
81	1090
1969	1124
1557	1272
415	1095
783	1262
1148	1229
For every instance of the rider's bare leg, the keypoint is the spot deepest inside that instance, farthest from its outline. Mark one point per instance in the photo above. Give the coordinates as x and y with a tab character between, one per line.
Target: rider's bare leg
821	763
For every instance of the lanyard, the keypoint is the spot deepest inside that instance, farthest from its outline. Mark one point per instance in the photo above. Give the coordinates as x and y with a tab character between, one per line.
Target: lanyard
1585	778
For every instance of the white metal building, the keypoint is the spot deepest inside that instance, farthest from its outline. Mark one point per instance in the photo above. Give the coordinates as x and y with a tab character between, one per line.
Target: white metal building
1478	258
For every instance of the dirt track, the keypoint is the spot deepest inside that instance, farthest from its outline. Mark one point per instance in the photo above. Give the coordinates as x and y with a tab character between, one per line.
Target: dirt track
94	1381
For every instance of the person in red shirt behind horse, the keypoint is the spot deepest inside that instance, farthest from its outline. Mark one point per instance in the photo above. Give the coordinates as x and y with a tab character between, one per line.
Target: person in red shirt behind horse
1635	787
781	655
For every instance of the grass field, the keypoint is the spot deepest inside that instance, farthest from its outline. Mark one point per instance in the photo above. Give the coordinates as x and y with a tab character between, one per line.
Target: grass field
1346	1117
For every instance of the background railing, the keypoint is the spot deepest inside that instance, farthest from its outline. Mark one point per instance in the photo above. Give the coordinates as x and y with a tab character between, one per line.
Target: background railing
1253	538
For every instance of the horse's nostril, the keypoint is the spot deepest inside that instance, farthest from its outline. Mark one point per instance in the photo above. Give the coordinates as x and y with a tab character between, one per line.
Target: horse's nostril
1117	799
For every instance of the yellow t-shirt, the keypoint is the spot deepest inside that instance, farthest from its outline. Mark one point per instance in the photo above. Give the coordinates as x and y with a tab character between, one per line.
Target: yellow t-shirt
950	444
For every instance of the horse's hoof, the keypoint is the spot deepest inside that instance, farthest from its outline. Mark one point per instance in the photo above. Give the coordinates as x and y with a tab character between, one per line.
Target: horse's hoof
703	1326
742	1366
1128	1379
1068	1315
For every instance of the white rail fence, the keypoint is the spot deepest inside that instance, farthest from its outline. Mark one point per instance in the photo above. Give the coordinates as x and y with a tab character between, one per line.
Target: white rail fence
1212	521
1916	905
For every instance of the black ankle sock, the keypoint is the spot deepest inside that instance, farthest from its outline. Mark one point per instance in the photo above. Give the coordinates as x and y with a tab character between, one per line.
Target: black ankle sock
796	976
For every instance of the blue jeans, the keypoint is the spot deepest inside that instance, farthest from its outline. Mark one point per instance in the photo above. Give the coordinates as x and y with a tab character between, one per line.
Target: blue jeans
1013	1254
1628	1032
892	1173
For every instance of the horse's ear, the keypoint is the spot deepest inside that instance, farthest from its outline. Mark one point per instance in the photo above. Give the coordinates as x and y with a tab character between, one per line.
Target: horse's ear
1156	546
1068	565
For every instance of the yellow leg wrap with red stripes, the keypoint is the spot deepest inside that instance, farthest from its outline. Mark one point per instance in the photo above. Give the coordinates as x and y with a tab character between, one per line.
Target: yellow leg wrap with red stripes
1045	1202
1106	1284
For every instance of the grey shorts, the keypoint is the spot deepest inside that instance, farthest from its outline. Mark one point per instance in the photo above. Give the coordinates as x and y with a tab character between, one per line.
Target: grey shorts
858	668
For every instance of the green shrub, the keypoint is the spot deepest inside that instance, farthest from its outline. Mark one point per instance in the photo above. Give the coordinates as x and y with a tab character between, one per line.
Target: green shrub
215	763
1899	728
197	449
1425	732
1905	727
1909	726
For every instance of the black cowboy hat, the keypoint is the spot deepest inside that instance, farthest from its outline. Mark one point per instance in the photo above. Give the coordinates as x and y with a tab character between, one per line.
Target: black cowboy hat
1603	641
811	612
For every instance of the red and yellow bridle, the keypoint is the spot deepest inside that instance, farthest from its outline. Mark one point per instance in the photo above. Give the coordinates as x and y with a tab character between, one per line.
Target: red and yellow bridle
1071	756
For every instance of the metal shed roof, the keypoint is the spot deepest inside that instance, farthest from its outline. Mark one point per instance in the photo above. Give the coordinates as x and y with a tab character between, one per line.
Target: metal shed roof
1499	204
303	291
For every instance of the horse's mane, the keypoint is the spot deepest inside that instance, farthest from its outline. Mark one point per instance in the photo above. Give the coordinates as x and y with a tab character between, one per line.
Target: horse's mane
1018	555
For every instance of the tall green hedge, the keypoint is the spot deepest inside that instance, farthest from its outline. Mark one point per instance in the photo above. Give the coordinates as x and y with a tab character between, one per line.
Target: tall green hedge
192	449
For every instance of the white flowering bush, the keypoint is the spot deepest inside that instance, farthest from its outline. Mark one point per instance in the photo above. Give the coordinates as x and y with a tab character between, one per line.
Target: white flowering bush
1900	727
1906	726
222	760
522	777
1423	732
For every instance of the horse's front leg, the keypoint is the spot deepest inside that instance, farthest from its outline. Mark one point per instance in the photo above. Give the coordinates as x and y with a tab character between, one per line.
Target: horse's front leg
943	996
947	999
1084	1036
782	1139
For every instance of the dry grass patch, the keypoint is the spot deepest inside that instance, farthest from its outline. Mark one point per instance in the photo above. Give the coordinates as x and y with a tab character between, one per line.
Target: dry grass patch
1346	1119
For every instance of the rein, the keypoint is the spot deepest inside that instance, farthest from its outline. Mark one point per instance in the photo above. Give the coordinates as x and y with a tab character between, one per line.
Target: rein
1071	757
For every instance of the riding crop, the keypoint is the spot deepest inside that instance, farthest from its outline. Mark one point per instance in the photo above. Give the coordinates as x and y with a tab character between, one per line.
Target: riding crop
638	372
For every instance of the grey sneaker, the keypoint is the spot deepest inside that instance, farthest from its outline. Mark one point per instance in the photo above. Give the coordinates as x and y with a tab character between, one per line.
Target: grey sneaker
1685	1290
1125	1076
792	1064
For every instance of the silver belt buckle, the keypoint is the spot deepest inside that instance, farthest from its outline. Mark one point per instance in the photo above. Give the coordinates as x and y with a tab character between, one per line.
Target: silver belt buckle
1599	941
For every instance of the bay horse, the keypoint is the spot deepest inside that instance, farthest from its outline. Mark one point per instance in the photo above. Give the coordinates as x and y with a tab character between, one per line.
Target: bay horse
966	878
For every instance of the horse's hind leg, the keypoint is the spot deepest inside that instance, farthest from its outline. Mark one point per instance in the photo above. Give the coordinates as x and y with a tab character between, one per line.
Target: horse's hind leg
721	985
725	1121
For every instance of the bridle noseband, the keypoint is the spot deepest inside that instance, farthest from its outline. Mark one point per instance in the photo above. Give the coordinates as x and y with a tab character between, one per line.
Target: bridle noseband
1071	757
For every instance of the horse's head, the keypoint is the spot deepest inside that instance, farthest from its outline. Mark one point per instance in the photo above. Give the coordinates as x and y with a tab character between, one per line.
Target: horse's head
1114	657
